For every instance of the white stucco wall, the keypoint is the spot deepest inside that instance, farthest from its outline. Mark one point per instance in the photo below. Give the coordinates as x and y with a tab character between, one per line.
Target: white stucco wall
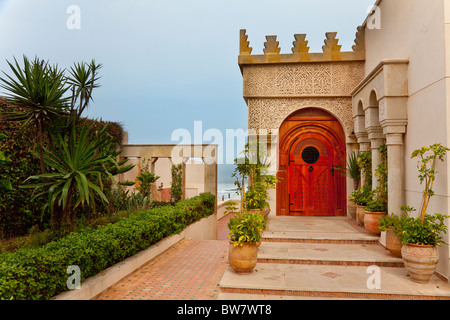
419	31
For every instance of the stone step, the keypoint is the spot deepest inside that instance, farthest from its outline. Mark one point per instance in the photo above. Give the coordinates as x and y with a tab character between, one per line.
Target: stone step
319	237
327	254
334	230
260	297
330	281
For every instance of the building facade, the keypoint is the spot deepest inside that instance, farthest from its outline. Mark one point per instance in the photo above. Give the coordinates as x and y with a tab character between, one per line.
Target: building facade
393	88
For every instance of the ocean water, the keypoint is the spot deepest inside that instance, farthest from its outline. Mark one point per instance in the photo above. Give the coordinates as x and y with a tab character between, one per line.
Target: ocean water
225	183
226	190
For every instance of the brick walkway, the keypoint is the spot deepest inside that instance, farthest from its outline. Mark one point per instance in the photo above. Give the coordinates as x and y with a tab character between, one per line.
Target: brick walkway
190	270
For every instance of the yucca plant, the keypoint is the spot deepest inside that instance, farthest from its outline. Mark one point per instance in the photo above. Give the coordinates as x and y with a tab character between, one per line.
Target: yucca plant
37	91
352	170
82	80
78	165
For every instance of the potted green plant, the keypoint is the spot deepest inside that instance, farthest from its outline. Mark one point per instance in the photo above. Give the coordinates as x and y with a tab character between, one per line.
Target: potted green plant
353	171
377	207
245	234
392	225
256	198
421	236
361	197
252	170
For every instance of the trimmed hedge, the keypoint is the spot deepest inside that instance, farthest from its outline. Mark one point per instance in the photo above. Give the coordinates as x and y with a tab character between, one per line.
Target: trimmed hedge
36	274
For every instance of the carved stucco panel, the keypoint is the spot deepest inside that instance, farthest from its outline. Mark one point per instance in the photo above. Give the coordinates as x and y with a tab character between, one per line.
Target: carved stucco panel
269	114
296	80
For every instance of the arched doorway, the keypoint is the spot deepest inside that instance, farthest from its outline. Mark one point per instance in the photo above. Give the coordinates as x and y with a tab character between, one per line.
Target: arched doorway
311	148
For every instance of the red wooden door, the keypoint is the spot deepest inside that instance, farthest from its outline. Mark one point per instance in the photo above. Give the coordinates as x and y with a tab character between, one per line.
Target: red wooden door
311	176
311	146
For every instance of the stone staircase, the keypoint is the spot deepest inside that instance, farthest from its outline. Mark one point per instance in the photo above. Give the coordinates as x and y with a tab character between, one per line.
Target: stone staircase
325	258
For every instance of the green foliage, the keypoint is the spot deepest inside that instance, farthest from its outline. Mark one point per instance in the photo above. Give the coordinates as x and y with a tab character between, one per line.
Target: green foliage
146	180
364	161
176	190
78	169
82	81
17	212
246	227
428	156
391	222
252	170
230	207
375	205
257	195
424	232
39	90
34	274
395	223
362	196
352	170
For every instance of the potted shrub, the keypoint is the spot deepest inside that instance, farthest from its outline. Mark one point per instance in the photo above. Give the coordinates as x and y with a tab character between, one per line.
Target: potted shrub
420	239
361	197
353	171
252	170
245	234
392	225
421	235
377	207
257	195
373	212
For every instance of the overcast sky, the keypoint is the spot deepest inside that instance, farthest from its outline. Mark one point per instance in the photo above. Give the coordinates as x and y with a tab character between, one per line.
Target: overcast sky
168	63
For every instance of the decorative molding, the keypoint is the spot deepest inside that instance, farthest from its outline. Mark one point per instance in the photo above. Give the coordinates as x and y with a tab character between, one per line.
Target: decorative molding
300	45
300	50
271	46
394	139
360	40
270	113
331	43
244	46
302	80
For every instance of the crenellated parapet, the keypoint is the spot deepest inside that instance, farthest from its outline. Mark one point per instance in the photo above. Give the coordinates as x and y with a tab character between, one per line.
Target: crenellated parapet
300	50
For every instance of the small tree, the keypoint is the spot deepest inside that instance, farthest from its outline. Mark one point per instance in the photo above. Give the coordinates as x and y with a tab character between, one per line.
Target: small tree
428	156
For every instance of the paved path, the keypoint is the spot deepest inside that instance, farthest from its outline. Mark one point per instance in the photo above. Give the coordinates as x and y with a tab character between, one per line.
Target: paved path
190	270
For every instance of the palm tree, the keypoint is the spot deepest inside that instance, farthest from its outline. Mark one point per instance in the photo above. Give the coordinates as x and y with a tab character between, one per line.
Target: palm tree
37	93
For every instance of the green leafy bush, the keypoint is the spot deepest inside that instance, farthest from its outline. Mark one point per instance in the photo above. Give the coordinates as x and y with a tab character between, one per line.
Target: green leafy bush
426	231
362	196
34	274
246	227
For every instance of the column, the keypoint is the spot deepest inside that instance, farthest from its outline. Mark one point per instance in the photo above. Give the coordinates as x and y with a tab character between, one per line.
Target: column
396	194
376	138
183	197
364	145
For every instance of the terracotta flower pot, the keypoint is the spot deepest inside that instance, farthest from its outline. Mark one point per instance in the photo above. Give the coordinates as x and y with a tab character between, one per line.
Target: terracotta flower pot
243	258
371	222
264	212
420	261
393	243
360	215
351	206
